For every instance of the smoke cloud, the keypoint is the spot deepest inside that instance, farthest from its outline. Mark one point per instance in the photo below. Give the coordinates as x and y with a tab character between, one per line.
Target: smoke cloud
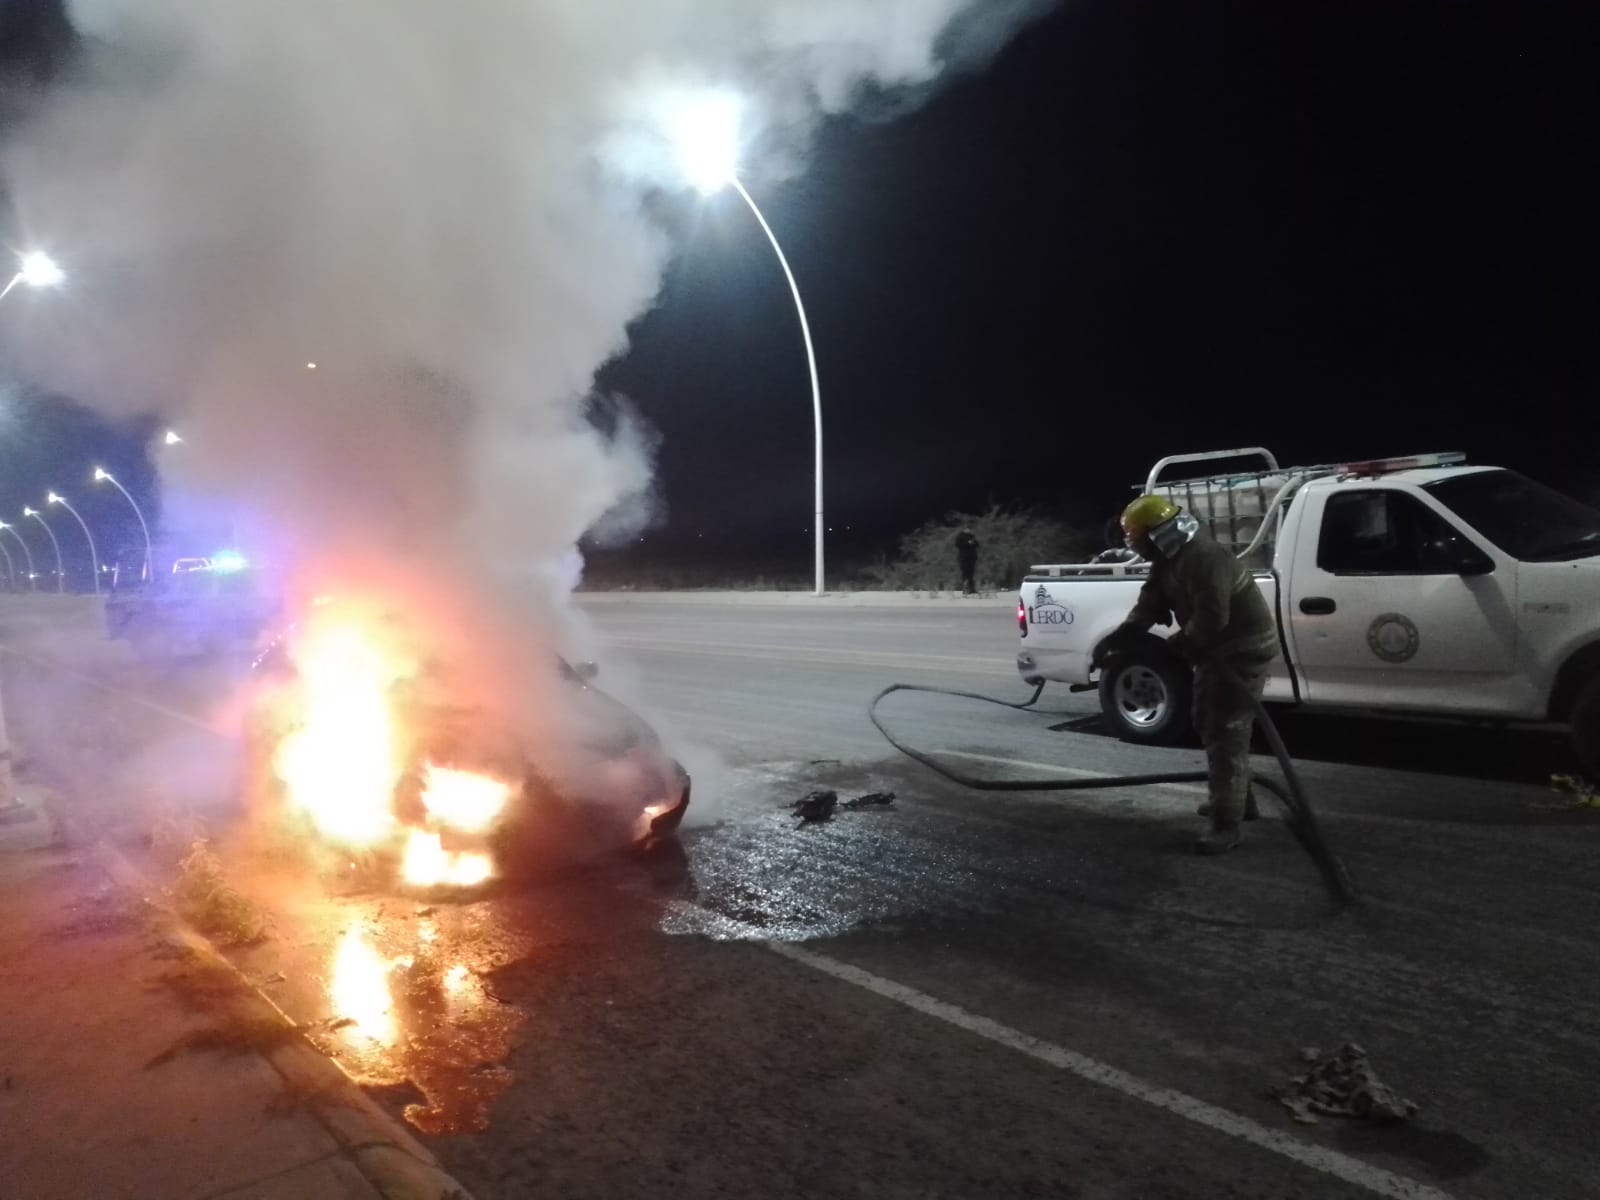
441	206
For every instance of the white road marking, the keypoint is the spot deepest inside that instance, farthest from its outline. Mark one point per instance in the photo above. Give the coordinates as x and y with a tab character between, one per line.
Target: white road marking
1330	1162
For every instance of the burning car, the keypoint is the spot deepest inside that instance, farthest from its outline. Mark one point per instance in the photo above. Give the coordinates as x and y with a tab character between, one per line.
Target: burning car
383	756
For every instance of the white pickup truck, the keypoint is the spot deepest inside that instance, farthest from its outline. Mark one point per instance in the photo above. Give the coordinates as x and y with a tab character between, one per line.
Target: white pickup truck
1419	585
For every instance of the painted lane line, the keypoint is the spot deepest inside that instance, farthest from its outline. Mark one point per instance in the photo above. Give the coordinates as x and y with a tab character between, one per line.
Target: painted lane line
1319	1158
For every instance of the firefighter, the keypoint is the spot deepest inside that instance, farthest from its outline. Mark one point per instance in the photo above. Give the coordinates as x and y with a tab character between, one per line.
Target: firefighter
1225	632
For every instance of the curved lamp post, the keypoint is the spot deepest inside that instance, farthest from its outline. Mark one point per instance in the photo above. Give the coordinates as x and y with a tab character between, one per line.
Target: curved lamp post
11	567
705	134
101	474
94	556
27	554
61	570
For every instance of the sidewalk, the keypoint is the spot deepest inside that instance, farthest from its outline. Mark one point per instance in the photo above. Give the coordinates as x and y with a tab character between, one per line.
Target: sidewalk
133	1065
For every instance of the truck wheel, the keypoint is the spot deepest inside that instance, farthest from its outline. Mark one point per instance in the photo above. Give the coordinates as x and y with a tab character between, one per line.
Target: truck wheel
1586	728
1145	697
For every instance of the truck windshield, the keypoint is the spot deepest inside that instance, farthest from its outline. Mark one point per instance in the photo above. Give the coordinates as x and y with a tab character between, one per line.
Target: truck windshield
1525	519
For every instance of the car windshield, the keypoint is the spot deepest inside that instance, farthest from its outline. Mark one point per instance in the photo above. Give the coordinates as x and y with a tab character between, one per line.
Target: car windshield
1525	519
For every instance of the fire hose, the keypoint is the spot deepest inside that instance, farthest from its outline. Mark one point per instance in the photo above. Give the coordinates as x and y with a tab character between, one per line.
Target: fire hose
1301	818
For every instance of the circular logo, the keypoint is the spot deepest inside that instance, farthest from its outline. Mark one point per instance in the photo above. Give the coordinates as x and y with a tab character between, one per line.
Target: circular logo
1393	638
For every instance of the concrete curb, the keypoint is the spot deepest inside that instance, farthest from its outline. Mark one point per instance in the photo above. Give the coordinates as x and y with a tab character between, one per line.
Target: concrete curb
397	1166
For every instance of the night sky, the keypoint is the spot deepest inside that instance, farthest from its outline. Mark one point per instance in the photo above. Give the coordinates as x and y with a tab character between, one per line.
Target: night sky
1340	229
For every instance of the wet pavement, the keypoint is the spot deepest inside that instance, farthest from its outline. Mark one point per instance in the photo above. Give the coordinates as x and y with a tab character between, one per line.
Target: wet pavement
970	965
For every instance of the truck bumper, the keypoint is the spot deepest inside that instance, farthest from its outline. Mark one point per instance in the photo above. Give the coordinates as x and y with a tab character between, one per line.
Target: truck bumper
1028	669
1056	666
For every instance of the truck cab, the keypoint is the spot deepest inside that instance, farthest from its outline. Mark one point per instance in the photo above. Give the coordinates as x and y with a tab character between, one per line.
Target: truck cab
1421	585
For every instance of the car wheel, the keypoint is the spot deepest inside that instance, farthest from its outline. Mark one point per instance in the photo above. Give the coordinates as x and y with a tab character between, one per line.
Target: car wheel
1145	697
1586	728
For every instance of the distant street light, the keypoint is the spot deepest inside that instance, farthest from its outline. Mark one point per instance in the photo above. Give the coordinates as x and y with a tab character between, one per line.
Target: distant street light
101	474
171	438
94	557
35	269
61	570
27	554
705	135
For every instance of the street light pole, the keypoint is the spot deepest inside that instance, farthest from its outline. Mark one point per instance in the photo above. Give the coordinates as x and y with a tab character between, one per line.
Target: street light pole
27	554
94	556
811	366
61	570
149	550
11	567
704	131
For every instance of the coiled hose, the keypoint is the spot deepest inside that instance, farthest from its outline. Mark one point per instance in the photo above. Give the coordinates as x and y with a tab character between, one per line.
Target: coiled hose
1291	794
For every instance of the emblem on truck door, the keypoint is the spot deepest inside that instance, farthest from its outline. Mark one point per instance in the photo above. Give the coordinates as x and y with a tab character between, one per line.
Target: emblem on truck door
1393	638
1045	610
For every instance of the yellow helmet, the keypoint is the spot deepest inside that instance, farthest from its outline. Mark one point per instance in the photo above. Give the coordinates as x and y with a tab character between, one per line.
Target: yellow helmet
1145	513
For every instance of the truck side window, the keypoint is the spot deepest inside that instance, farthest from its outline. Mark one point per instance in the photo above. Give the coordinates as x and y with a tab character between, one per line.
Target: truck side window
1384	533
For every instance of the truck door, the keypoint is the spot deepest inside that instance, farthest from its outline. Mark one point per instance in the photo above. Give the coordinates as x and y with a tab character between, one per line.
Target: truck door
1393	606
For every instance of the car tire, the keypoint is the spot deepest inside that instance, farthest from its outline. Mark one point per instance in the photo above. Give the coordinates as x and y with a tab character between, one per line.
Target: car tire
1144	695
1586	728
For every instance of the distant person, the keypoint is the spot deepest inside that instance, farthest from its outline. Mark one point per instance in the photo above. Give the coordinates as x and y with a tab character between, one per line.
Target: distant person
967	559
1117	549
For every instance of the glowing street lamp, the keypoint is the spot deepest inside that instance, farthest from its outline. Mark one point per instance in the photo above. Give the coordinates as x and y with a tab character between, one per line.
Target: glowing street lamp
27	554
103	475
94	557
705	135
36	269
171	438
61	570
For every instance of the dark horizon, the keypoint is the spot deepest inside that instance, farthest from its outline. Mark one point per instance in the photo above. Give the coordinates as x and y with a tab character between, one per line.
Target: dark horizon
1341	230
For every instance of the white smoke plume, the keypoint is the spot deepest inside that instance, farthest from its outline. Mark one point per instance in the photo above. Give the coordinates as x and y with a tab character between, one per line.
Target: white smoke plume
441	205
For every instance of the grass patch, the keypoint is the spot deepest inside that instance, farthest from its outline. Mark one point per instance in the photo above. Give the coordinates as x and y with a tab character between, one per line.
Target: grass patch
205	899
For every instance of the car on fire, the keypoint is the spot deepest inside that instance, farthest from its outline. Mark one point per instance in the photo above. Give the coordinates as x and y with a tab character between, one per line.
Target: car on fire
404	772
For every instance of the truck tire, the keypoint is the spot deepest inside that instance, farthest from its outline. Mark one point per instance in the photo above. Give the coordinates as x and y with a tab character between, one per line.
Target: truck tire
1586	728
1145	696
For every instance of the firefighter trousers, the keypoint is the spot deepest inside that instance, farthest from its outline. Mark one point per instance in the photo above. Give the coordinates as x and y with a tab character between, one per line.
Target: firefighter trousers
1225	718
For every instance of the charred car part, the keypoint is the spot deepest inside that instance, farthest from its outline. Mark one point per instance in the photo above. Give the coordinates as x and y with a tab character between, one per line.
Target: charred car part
450	797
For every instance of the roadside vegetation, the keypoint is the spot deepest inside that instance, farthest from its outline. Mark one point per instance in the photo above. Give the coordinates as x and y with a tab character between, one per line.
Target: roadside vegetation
1010	540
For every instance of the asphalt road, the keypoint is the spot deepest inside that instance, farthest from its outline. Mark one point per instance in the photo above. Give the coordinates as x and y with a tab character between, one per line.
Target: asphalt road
983	994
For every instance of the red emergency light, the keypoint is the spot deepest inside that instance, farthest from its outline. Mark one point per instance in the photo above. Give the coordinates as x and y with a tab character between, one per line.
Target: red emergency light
1386	466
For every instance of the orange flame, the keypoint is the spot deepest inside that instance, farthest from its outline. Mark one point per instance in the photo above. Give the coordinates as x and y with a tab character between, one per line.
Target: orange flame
344	759
462	800
341	764
428	864
360	991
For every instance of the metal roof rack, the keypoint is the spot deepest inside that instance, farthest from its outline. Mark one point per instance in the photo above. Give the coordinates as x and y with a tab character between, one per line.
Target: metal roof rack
1242	509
